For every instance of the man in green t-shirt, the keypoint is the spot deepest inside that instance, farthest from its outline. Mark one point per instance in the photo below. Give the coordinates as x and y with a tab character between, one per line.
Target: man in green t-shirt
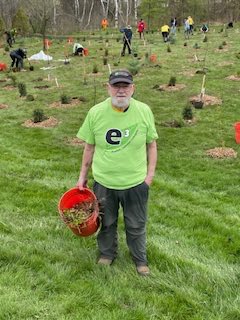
120	144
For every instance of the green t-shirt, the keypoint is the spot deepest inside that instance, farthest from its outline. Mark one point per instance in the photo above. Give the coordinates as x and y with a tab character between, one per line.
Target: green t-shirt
120	138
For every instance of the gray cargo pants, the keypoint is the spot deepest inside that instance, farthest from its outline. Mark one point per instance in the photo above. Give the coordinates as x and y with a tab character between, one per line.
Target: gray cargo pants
134	204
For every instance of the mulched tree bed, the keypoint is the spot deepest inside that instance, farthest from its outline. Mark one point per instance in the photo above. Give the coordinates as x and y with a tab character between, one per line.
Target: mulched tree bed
234	78
207	100
42	87
58	104
166	87
48	123
9	87
75	142
221	153
3	106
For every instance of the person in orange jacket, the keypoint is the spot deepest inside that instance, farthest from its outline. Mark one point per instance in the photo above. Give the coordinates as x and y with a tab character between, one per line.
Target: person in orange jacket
104	24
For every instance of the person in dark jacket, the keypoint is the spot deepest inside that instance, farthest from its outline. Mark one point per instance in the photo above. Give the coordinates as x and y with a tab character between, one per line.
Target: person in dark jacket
127	37
9	38
17	57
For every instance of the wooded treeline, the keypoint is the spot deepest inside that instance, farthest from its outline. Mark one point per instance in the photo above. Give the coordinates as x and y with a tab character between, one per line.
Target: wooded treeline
62	16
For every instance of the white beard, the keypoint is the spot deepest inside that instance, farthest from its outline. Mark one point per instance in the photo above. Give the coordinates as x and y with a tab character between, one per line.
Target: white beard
121	103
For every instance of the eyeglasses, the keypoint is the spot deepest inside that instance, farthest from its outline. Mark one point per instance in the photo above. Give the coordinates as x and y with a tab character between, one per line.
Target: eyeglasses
118	86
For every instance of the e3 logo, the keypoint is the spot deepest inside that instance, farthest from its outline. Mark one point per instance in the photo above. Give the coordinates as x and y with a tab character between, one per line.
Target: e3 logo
113	136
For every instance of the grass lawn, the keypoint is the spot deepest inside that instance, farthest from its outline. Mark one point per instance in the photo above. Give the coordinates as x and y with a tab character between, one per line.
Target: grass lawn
194	210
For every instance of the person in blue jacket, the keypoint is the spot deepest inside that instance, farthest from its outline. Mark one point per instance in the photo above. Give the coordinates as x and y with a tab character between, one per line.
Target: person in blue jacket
127	37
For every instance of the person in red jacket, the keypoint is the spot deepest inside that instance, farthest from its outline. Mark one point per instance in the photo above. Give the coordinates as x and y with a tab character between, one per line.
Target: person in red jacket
140	28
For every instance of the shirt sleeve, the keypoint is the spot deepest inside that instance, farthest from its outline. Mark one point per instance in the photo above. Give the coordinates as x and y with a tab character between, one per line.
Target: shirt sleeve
85	132
152	132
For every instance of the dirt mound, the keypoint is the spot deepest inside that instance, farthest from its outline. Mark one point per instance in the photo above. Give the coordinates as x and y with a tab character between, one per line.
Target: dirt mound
221	153
3	106
48	123
207	100
166	87
234	78
75	142
58	104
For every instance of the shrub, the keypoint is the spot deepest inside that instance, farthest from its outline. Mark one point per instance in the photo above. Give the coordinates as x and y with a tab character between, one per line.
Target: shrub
105	61
22	89
185	44
172	82
220	47
95	69
106	52
224	43
30	97
65	99
134	66
205	39
169	48
38	115
187	113
196	46
6	48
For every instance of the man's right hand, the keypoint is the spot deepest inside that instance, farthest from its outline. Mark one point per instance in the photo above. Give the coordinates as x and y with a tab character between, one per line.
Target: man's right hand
81	184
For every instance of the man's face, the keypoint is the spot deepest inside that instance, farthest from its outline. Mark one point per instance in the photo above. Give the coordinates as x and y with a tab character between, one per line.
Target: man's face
121	94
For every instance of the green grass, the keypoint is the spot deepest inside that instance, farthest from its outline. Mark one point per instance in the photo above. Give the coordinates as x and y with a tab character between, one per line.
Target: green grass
194	212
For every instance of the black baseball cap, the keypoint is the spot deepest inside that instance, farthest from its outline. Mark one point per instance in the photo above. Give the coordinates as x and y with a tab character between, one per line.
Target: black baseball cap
120	76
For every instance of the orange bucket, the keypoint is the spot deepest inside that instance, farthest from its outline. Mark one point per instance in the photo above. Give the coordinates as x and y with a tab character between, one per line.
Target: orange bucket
3	66
85	52
73	197
237	132
153	57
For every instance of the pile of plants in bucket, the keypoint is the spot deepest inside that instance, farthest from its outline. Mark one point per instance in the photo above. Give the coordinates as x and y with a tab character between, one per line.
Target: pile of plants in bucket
79	213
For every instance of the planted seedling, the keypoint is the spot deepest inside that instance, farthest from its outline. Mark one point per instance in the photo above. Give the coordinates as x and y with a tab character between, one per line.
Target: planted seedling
95	69
187	113
65	99
105	61
172	82
39	116
22	89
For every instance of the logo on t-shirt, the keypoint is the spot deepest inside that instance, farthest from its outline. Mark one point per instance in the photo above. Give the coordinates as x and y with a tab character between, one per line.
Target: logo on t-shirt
118	139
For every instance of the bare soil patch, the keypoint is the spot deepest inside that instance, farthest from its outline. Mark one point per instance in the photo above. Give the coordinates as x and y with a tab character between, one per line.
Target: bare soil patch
3	106
207	100
75	142
225	63
9	87
188	73
166	87
48	123
43	87
58	104
221	50
234	78
221	153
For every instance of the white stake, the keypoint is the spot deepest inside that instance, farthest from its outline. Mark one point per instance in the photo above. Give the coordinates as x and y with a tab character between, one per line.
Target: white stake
56	82
109	69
